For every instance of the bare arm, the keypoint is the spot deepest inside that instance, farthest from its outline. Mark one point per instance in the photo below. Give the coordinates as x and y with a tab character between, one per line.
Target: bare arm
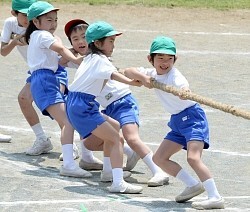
6	48
65	53
133	73
121	78
63	61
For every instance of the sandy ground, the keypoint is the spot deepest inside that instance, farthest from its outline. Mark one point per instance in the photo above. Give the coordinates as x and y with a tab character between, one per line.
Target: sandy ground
213	50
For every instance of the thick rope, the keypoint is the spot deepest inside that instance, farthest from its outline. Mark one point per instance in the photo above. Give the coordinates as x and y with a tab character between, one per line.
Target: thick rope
200	99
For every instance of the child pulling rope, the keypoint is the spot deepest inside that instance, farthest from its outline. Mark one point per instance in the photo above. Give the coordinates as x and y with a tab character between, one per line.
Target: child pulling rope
200	99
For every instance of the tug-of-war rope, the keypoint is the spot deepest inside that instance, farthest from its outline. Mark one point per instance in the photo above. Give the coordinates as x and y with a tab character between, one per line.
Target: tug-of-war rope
200	99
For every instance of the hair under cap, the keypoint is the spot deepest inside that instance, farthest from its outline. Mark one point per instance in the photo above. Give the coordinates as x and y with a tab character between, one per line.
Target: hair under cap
40	8
98	30
22	6
163	45
71	24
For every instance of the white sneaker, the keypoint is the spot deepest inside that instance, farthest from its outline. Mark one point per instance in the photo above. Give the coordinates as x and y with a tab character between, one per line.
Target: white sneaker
5	138
40	146
108	177
96	164
189	193
158	179
76	172
209	204
75	153
125	188
131	162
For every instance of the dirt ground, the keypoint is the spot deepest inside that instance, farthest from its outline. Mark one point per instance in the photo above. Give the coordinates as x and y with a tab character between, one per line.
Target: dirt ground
213	53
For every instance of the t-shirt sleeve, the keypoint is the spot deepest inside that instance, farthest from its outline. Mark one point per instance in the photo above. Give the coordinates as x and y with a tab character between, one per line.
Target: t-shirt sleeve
6	32
148	71
46	40
105	68
180	81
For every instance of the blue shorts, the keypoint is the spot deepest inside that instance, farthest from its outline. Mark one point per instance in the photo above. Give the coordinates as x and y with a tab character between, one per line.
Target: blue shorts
61	74
188	125
45	89
125	110
83	112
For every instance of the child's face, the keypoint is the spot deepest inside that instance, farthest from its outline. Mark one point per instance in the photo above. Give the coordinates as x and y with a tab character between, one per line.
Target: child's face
163	63
108	45
78	41
21	19
47	22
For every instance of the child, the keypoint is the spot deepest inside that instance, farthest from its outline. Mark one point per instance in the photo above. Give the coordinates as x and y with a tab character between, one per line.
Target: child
82	108
188	124
75	31
17	25
119	104
42	57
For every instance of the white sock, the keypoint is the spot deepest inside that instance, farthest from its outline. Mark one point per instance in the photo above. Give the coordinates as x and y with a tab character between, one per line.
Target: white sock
211	189
87	155
38	130
107	165
186	178
127	150
117	176
68	160
151	165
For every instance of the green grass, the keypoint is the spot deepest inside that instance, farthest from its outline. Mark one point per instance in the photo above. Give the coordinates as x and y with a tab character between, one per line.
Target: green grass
216	4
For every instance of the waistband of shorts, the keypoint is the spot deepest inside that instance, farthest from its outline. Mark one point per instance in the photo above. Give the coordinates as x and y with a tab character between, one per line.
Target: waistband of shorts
43	70
82	95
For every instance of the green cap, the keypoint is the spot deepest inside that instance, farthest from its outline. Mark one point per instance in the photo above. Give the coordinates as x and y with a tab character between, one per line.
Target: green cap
40	8
99	30
22	6
163	45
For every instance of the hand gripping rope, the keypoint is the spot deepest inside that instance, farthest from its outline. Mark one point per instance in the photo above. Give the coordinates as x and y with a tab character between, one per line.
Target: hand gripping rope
200	99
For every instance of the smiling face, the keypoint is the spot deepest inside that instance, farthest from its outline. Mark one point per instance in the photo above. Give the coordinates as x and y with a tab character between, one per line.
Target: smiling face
107	46
163	63
47	22
78	41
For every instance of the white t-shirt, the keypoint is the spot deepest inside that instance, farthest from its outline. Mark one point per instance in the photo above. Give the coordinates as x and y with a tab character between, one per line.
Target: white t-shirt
11	26
39	54
112	91
172	104
92	75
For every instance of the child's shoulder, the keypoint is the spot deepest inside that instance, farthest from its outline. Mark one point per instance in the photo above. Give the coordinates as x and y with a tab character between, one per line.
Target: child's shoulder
11	20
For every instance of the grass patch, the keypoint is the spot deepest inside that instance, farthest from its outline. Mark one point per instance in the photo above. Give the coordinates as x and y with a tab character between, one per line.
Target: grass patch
215	4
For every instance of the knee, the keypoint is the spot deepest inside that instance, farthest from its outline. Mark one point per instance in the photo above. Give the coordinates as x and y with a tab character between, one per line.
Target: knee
24	99
192	161
131	140
157	159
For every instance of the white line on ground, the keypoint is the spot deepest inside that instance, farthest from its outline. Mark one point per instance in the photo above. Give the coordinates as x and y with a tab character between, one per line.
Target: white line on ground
16	129
108	199
189	52
187	33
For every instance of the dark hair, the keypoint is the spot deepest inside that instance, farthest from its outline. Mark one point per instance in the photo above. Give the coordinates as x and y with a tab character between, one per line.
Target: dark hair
31	28
154	54
93	49
75	28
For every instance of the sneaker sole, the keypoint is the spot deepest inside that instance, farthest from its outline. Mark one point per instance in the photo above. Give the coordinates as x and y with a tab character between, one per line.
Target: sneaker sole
186	198
75	175
93	166
39	153
154	184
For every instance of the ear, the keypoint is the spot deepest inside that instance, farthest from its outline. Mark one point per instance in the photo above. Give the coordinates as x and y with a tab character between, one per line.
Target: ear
175	58
150	59
98	44
13	13
35	22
